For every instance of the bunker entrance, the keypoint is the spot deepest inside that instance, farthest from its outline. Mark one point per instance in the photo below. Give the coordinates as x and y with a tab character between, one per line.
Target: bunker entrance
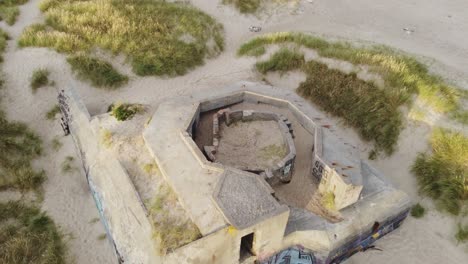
246	247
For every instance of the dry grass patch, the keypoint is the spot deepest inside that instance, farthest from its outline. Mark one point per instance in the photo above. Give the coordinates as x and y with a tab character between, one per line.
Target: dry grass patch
171	230
28	235
158	37
9	10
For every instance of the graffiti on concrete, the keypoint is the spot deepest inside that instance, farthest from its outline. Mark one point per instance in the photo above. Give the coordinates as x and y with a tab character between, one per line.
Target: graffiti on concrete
65	109
292	256
317	170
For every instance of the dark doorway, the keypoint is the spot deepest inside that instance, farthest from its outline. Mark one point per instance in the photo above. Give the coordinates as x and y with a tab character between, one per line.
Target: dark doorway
246	245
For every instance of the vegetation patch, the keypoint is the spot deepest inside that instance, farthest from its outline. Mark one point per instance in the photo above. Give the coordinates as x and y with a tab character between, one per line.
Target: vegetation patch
9	10
462	234
28	235
273	151
124	112
67	164
284	60
151	168
52	113
373	110
158	37
99	73
18	147
170	230
404	76
245	6
443	173
39	79
417	211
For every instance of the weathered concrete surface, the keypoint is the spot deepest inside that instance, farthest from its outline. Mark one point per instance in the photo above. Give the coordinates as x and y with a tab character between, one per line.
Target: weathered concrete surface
118	203
193	184
245	198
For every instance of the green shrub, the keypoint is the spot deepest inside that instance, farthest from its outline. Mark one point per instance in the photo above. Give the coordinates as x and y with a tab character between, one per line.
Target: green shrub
100	73
124	112
283	60
417	211
372	111
39	79
443	174
28	235
9	10
158	37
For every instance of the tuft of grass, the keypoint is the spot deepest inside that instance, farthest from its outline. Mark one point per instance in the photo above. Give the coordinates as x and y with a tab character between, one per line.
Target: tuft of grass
151	168
403	75
372	111
100	73
18	147
106	137
169	230
39	79
52	113
9	10
273	151
28	235
56	144
158	37
124	112
418	211
283	60
443	174
462	234
245	6
102	236
67	164
328	201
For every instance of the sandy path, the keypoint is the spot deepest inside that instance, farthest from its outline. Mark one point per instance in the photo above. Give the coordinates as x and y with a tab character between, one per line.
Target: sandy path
440	33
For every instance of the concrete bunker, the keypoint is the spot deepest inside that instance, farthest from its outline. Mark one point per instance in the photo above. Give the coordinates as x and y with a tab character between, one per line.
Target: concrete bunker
241	215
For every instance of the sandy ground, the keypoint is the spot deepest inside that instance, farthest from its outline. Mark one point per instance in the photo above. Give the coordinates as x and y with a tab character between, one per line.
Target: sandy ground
439	38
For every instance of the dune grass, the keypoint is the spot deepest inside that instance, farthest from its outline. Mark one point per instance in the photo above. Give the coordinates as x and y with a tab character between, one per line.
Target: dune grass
52	113
245	6
39	78
100	73
462	234
18	147
402	74
9	10
158	37
169	229
443	173
28	235
418	211
283	60
372	111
